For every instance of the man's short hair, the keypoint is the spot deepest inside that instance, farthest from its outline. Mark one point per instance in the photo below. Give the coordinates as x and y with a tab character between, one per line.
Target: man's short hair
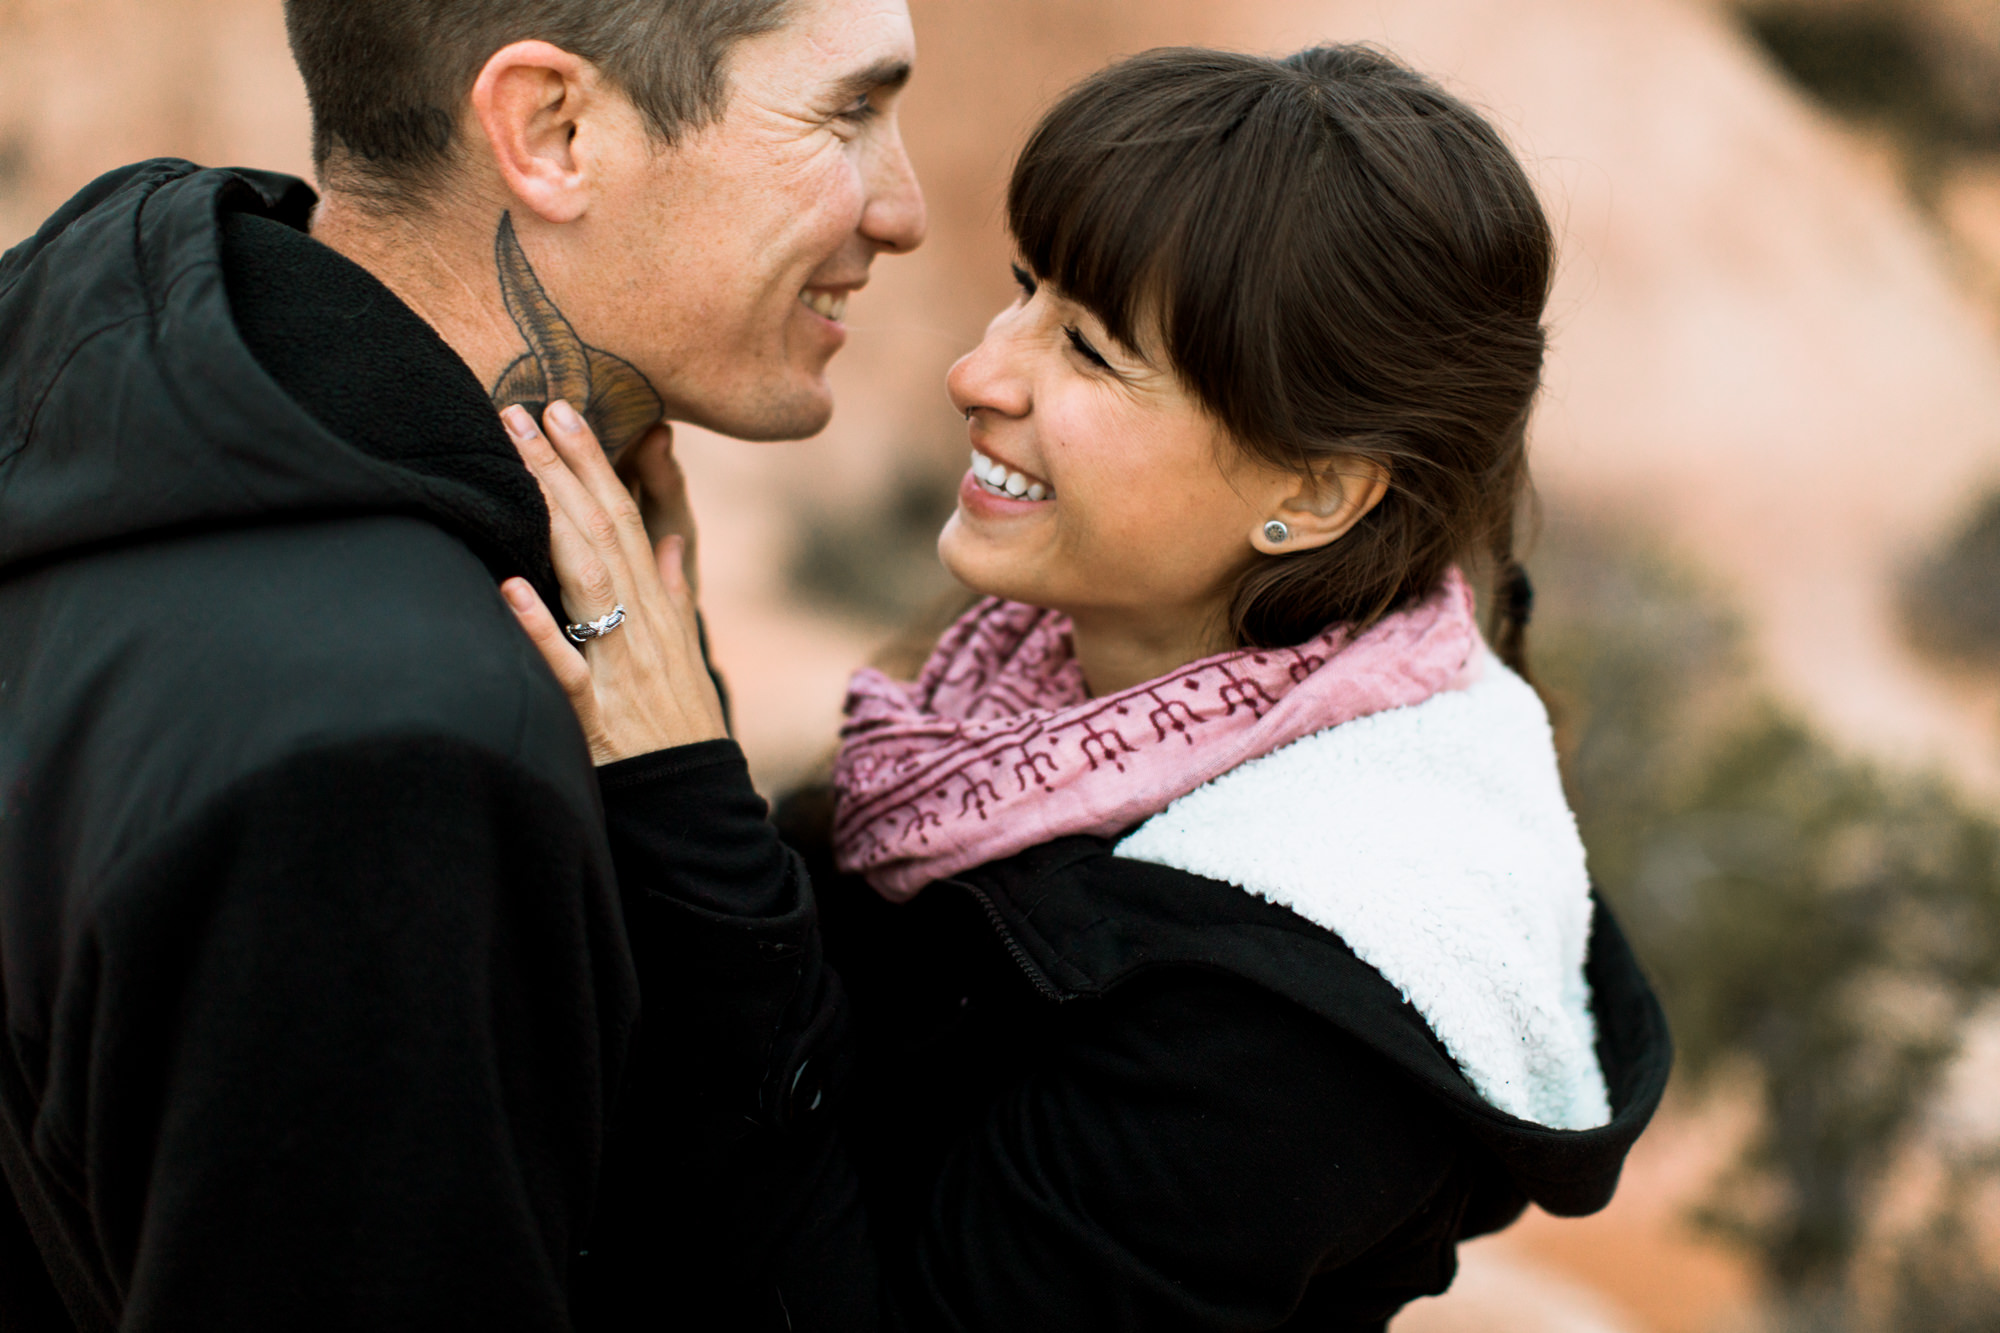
388	79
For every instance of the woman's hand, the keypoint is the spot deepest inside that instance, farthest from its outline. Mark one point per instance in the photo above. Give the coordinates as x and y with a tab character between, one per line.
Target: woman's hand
663	496
643	686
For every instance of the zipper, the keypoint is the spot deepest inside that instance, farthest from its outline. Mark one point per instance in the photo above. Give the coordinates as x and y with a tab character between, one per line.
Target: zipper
1020	956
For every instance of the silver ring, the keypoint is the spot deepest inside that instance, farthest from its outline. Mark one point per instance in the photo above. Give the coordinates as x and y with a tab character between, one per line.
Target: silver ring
595	629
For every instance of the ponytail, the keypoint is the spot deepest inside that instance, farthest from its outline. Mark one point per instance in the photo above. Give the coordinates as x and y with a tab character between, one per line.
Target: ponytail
1513	607
1513	602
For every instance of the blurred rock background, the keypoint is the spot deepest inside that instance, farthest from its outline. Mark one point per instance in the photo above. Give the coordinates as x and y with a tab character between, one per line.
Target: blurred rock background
1769	458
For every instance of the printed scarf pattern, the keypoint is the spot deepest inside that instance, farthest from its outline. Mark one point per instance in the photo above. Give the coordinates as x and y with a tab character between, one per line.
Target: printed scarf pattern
997	746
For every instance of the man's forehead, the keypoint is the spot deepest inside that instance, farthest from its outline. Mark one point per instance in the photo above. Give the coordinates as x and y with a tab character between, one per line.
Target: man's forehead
848	47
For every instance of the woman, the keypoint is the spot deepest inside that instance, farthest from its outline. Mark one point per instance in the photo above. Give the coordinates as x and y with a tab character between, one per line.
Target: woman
1229	956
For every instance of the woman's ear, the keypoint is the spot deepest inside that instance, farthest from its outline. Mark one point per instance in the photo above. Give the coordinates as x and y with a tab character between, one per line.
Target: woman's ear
530	100
1320	509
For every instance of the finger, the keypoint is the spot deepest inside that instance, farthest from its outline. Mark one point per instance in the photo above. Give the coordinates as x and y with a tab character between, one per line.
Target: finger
652	461
577	444
559	485
673	573
660	487
592	563
644	453
591	585
610	525
559	482
566	664
660	529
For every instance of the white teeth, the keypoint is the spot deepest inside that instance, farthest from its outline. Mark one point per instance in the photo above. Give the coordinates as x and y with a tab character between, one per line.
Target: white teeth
825	304
1002	480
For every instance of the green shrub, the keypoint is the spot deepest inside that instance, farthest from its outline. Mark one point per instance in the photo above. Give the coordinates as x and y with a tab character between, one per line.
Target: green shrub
1879	63
1824	924
1951	601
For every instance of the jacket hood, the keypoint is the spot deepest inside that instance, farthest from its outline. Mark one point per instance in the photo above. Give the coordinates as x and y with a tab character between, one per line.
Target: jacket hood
1085	920
130	404
1436	842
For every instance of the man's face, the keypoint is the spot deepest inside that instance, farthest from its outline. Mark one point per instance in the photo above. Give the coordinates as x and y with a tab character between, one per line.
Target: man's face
724	263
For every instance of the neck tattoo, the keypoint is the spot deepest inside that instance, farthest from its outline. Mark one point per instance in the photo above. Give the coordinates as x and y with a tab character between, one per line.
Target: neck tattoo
618	402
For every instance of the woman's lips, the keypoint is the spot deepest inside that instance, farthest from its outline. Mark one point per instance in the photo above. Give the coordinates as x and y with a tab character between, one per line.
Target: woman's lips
1005	482
977	498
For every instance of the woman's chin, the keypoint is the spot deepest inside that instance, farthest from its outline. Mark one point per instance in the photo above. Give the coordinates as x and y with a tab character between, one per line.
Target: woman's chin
978	562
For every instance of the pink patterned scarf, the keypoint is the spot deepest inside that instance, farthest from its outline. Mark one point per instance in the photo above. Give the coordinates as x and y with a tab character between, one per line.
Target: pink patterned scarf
996	747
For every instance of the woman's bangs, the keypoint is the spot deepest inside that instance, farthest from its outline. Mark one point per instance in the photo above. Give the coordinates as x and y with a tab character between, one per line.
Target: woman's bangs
1095	212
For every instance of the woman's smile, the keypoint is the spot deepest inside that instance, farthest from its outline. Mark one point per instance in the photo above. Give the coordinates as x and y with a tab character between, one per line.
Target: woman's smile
1007	482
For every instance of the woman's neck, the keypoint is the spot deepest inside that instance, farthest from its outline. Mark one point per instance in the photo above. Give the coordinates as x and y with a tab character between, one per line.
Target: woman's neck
1117	650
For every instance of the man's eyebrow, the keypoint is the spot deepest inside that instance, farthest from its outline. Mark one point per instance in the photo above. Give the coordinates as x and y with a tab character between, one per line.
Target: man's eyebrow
884	75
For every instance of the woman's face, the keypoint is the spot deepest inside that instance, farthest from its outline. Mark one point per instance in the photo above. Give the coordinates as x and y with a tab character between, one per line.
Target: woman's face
1099	485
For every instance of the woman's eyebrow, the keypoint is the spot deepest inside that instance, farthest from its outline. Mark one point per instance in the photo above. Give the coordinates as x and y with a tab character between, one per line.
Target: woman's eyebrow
1131	349
887	74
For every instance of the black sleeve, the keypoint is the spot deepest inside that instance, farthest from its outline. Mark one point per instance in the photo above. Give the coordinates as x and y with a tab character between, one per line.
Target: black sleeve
1194	1152
686	823
343	1056
742	1047
726	933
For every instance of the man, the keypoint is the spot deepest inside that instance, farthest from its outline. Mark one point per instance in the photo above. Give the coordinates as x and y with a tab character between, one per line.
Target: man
330	1002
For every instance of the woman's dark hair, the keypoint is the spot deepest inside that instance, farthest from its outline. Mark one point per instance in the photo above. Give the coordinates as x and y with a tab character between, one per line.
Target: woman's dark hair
1341	259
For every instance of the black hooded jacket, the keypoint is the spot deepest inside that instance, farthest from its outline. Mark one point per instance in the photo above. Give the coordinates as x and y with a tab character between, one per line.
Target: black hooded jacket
321	1002
1095	1093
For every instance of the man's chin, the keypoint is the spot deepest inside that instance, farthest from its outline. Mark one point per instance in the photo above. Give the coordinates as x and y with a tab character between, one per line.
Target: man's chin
795	415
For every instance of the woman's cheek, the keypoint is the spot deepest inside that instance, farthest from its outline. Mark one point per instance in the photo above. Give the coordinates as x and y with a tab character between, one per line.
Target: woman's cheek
1167	549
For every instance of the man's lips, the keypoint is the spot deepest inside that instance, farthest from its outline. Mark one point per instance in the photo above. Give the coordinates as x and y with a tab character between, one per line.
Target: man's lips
827	305
828	300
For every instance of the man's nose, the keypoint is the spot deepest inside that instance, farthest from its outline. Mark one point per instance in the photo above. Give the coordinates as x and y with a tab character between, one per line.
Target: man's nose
895	218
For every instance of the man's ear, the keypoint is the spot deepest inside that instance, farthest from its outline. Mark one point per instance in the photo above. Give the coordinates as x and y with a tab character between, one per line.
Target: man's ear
530	101
1320	509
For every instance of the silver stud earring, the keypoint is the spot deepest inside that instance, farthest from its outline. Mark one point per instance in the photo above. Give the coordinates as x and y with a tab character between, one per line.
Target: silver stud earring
1277	533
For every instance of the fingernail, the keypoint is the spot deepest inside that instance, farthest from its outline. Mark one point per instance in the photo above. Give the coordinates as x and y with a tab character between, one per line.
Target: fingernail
519	424
565	416
519	595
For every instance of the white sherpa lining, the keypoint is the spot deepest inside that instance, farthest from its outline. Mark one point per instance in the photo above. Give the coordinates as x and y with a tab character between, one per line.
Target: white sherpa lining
1434	840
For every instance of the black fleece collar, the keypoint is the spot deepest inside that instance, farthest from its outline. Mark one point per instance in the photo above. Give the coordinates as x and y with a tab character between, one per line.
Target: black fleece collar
371	371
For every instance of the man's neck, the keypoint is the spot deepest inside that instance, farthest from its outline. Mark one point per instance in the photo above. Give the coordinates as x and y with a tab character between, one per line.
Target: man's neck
439	265
465	273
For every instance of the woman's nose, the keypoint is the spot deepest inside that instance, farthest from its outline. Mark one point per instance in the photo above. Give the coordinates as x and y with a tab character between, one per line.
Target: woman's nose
986	377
